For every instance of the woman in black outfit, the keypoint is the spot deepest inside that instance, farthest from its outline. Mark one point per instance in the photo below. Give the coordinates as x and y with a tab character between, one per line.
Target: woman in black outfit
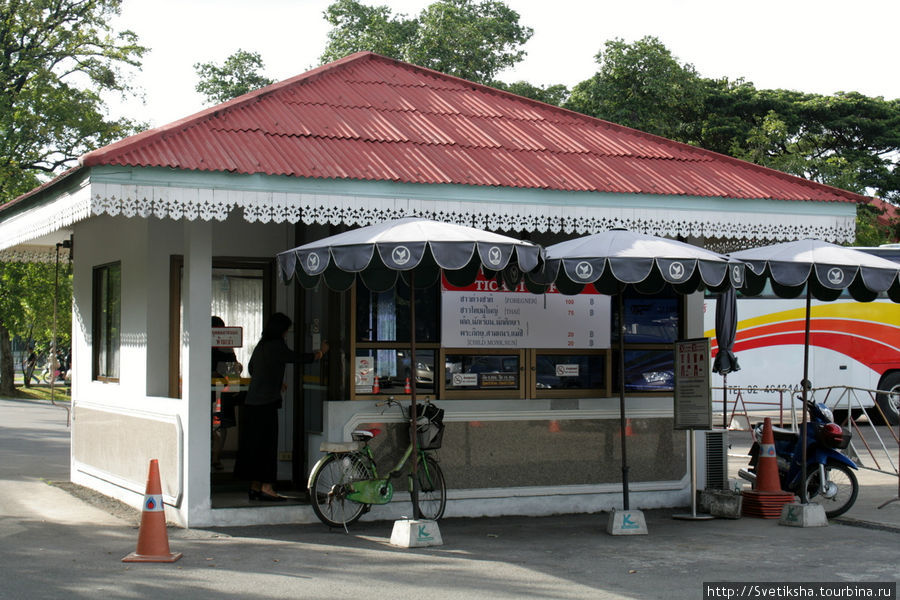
258	453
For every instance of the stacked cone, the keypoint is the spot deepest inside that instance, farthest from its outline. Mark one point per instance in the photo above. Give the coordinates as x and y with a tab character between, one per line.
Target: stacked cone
406	388
767	498
376	389
153	541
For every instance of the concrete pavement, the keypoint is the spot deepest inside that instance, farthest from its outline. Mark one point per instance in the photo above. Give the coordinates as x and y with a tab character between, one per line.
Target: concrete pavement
53	545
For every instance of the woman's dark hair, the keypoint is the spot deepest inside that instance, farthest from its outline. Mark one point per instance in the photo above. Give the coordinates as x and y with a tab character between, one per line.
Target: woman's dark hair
275	327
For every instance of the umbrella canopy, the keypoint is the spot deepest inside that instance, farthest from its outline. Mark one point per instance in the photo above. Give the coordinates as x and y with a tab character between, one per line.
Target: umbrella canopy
379	252
419	249
824	270
615	259
828	268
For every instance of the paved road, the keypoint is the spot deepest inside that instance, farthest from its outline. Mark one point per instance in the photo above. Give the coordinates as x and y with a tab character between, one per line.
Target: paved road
53	545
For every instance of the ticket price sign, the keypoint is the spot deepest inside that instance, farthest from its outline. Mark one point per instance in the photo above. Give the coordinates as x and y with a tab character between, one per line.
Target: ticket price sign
488	315
693	402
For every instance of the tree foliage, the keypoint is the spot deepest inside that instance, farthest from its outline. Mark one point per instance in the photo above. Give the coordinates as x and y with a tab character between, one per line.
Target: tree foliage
26	306
641	85
846	140
56	57
239	74
472	40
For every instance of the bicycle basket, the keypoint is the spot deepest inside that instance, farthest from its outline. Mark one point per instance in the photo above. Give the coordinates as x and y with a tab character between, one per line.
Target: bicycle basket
429	427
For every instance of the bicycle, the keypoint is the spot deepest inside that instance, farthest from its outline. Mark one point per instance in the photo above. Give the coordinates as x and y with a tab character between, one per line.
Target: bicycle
345	483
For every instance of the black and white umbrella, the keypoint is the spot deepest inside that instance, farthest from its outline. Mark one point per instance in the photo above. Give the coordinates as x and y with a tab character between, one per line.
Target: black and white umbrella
824	271
416	249
615	260
726	334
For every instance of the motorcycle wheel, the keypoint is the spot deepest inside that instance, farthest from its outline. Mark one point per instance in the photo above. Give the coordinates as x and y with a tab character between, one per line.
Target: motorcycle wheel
839	499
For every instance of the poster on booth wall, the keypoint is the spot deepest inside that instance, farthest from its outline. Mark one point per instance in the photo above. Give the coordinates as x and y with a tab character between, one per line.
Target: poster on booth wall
487	315
693	401
364	374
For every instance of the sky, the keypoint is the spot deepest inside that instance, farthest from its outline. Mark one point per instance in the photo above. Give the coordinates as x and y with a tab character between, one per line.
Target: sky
818	46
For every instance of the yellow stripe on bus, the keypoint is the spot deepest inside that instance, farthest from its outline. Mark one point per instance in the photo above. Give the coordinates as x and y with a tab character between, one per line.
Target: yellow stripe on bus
876	312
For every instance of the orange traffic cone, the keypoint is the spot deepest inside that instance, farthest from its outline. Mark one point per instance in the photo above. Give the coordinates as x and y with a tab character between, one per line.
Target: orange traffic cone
628	430
153	541
376	389
554	427
767	467
767	499
406	388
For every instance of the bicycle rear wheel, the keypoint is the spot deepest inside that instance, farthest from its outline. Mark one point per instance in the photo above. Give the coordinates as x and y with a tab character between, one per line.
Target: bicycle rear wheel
328	487
432	498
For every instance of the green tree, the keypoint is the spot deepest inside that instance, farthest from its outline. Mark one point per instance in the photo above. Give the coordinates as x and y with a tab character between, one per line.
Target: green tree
641	85
239	74
552	94
472	40
846	140
56	59
26	304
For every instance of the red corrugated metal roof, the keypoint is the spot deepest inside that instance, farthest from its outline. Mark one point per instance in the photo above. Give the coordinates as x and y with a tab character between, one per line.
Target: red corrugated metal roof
368	117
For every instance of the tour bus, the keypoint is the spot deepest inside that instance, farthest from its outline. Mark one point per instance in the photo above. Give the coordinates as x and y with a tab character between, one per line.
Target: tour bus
854	344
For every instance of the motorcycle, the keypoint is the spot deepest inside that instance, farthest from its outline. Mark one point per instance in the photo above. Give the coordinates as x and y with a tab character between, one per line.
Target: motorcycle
830	480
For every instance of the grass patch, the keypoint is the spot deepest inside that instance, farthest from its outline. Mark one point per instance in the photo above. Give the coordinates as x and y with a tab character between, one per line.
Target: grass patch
42	392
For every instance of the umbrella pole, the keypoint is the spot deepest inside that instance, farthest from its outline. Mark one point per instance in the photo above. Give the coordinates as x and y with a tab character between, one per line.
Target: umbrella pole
724	400
414	439
805	385
622	422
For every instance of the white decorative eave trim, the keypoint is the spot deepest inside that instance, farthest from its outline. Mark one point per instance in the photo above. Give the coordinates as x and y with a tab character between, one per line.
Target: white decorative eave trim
44	218
285	207
781	221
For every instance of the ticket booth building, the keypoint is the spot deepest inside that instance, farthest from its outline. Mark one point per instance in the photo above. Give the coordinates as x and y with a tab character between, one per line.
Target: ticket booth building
179	223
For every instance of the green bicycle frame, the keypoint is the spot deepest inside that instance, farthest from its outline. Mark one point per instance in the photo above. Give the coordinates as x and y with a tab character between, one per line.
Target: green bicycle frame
380	490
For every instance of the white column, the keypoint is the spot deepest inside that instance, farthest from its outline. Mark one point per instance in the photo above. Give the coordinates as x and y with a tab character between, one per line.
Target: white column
196	295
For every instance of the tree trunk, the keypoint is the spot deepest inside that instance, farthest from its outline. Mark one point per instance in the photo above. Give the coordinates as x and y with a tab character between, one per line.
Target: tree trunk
7	367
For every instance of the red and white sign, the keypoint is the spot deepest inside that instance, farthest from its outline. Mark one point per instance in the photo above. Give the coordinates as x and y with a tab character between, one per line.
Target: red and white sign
227	337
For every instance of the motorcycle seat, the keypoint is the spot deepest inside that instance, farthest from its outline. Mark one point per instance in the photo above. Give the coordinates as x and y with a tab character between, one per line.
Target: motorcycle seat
781	434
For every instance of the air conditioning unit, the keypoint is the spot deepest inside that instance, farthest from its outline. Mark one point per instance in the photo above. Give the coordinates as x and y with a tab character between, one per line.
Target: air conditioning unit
717	460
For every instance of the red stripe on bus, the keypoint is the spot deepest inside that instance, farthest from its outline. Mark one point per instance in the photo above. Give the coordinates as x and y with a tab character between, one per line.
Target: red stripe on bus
866	329
873	354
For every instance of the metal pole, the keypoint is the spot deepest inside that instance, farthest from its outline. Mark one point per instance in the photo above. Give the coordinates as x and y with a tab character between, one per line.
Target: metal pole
805	385
414	492
622	422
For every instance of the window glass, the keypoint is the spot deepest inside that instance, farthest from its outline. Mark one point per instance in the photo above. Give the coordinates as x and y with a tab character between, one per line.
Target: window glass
385	316
649	319
107	317
570	371
392	368
648	370
482	371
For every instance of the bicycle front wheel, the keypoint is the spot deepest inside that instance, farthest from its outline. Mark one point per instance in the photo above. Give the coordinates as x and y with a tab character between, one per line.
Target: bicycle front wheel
432	498
328	487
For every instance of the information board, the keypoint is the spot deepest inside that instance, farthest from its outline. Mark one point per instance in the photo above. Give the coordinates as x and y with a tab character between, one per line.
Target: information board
693	401
487	315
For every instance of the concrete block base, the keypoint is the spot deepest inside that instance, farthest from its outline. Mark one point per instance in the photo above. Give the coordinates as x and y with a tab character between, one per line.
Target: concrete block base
411	533
626	522
803	515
